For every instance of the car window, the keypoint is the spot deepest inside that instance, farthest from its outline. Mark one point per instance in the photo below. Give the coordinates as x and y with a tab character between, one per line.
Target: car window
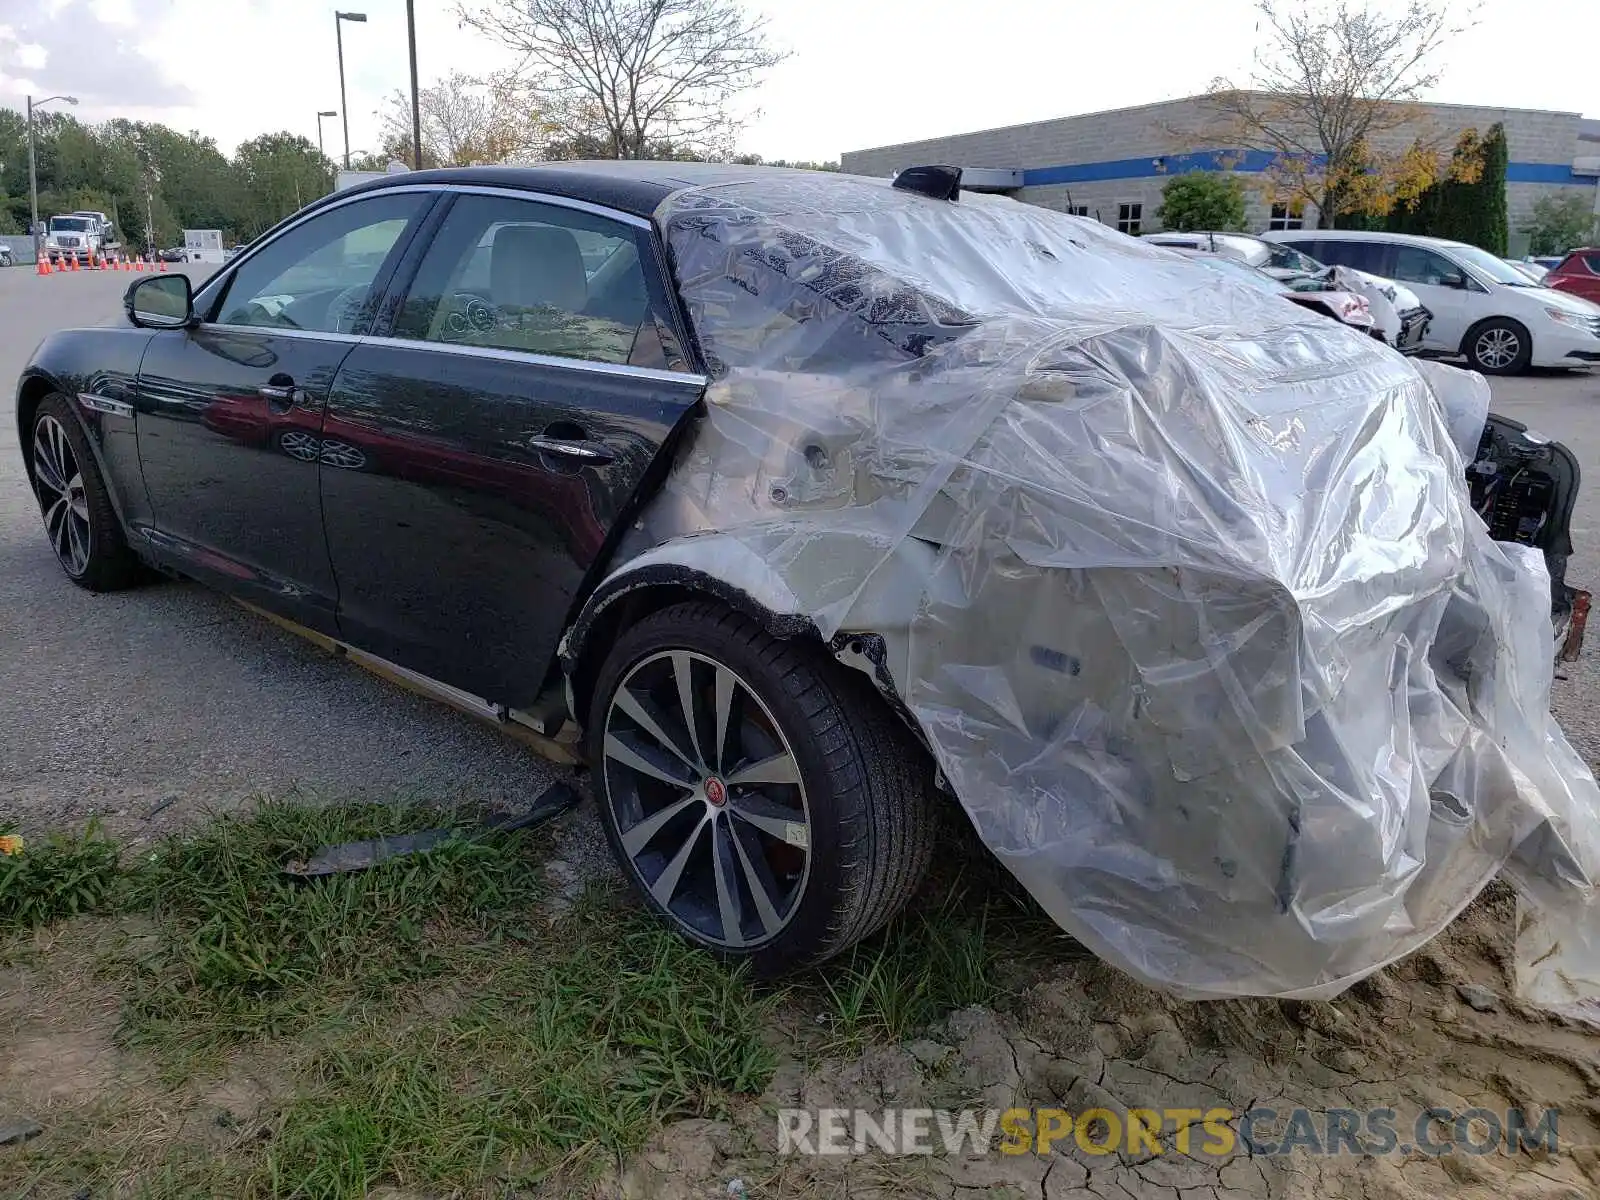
1415	264
1592	261
1288	258
515	274
319	274
1372	257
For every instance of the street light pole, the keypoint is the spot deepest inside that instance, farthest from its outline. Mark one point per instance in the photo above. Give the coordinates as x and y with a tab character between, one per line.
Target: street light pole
344	104
33	168
416	103
320	115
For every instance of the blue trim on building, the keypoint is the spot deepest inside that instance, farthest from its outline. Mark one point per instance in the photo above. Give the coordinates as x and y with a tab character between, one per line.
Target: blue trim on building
1249	161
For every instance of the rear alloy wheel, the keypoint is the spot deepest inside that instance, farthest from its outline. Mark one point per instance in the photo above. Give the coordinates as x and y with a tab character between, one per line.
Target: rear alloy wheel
78	518
1499	347
764	802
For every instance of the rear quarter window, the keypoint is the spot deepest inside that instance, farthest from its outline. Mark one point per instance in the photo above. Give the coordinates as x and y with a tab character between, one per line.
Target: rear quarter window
1590	261
1373	257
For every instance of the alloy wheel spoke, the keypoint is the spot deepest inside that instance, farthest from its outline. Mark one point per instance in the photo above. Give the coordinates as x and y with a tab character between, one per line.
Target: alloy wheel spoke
55	519
639	836
722	870
780	768
78	543
682	673
772	819
724	702
629	757
78	498
760	882
666	883
45	469
630	704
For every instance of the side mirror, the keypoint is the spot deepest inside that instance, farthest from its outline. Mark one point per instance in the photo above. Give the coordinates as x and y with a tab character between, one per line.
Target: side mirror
1453	281
161	302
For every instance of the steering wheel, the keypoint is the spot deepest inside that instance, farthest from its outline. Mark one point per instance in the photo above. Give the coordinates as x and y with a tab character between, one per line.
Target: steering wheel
466	313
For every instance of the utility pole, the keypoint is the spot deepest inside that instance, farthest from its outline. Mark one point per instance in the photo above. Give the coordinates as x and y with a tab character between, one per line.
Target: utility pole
416	102
320	115
344	104
33	168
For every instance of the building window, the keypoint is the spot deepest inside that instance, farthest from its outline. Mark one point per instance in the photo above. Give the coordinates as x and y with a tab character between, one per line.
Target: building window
1077	210
1128	217
1287	216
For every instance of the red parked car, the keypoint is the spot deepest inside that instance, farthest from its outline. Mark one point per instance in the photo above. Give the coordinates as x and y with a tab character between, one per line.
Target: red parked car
1578	273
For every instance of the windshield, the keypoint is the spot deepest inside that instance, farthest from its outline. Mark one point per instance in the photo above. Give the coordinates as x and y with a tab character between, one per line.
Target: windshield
1491	267
69	224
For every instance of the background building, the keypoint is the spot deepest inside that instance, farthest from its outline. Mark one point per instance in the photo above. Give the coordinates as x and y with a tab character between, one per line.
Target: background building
1112	165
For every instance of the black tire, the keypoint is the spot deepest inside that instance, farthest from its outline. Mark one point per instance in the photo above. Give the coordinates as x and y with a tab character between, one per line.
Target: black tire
88	523
865	789
1498	346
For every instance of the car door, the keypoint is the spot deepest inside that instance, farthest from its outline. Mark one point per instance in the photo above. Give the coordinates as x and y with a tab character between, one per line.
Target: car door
1446	291
480	452
229	412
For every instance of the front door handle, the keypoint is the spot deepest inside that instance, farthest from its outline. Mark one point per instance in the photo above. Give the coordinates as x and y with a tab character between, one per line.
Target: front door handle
585	451
271	391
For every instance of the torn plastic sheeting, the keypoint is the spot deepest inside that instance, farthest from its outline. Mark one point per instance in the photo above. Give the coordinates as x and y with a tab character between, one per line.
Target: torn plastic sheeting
1215	653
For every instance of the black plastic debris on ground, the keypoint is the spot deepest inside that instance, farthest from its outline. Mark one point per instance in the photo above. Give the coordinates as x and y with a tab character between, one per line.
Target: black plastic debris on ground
359	856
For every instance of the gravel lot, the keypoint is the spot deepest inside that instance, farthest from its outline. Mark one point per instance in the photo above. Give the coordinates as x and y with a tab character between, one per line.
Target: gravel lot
170	695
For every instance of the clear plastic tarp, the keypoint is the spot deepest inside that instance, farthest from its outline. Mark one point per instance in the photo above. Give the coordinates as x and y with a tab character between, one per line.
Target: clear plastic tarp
1207	639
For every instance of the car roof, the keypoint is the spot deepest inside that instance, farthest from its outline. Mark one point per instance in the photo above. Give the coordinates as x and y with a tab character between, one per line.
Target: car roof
631	186
1363	235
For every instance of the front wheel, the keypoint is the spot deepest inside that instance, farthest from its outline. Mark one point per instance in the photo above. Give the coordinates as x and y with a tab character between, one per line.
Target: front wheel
763	801
1499	347
78	518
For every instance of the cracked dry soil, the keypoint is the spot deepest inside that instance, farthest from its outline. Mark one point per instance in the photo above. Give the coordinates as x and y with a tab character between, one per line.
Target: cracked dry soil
1084	1036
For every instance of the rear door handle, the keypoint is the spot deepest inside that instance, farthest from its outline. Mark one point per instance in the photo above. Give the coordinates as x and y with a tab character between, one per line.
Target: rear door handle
584	451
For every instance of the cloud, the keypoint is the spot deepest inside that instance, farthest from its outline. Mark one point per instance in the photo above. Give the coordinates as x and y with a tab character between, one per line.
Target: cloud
92	49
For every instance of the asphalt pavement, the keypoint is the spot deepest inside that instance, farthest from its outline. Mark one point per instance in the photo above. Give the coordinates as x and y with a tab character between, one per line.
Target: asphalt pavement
170	697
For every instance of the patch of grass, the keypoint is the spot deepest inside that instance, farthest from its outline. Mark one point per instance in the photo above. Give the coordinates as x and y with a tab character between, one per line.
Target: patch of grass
445	1033
955	946
65	875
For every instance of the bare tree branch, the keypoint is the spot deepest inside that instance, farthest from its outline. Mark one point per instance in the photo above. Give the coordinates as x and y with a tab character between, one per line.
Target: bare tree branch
631	78
1333	81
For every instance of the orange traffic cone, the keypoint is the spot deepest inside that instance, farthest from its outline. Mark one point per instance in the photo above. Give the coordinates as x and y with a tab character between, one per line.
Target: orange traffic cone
75	265
42	266
163	266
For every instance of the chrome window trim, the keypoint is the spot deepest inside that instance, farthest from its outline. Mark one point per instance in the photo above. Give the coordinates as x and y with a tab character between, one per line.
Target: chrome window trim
472	189
318	335
105	404
529	358
222	277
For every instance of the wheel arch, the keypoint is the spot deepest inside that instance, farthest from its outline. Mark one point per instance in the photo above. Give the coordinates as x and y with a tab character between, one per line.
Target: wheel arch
653	583
34	386
872	637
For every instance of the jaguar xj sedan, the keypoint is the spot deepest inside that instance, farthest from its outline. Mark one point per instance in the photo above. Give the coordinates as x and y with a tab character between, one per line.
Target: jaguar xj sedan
819	505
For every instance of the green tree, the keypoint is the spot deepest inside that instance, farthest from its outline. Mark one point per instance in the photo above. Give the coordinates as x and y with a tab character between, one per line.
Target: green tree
1202	200
1468	202
279	173
1558	223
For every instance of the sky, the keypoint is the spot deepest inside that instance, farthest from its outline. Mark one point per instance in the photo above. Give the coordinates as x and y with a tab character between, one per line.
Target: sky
861	72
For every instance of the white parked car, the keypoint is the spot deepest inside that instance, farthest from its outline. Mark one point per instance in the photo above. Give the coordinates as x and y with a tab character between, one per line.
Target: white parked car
1400	314
1482	306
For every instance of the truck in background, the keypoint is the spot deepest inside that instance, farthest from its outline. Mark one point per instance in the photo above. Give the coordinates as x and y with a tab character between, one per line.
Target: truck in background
85	236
